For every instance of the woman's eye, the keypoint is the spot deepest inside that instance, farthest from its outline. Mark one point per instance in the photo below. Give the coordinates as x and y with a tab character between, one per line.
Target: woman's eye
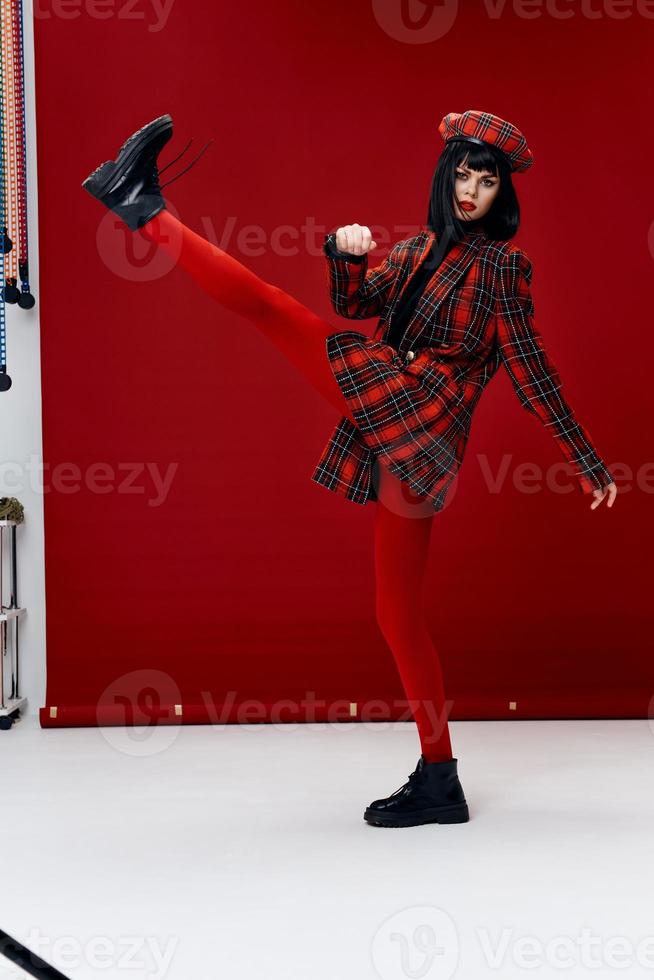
487	181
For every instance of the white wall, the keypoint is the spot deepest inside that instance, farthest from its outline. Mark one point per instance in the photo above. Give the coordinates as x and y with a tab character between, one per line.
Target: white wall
21	453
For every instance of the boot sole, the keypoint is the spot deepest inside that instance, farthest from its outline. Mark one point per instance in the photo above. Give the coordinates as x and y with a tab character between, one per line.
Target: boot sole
457	813
99	180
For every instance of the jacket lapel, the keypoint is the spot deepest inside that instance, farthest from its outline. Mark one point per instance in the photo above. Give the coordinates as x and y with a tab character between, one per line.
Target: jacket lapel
453	266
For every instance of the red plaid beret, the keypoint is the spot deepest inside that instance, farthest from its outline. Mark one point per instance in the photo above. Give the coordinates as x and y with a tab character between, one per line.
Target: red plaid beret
484	127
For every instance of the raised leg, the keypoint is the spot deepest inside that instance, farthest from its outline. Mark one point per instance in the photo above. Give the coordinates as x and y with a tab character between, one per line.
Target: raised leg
293	328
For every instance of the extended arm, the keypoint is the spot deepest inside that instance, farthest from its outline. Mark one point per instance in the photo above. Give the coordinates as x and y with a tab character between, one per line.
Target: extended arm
534	376
355	291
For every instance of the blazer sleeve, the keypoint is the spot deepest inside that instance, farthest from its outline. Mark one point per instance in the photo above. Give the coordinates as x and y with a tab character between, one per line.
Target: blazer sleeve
355	291
535	378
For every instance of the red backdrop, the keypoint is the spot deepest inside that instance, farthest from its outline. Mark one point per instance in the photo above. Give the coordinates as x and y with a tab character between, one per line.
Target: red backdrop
243	579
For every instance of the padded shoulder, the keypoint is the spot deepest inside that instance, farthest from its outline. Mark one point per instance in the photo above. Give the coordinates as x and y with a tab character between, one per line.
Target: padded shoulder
513	260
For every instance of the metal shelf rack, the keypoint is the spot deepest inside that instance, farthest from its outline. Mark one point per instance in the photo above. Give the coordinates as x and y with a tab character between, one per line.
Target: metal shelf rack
11	704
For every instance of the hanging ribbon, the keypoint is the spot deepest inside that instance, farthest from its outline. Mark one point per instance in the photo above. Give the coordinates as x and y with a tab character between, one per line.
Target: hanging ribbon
25	300
14	246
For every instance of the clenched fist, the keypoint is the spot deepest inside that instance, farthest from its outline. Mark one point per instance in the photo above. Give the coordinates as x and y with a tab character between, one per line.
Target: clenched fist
355	239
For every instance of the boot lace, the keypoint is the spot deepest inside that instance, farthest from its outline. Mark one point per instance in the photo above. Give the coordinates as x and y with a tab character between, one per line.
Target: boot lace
415	777
175	159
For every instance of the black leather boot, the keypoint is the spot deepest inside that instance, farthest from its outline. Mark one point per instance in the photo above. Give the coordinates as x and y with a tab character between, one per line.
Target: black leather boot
432	794
129	185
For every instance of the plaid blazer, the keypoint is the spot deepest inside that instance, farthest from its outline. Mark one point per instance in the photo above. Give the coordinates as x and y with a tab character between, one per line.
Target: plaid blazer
413	406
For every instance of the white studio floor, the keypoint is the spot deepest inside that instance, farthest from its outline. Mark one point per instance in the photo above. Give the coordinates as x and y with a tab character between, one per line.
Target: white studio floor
200	852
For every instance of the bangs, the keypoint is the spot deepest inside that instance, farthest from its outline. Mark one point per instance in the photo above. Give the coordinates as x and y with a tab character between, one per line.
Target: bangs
479	157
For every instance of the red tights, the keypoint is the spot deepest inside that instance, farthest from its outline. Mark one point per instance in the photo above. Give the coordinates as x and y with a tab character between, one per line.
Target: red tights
401	542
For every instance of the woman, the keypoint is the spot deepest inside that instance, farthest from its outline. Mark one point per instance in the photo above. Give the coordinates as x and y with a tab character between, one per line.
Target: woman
454	304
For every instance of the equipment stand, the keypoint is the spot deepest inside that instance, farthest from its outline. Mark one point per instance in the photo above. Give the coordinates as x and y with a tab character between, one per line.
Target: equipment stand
10	707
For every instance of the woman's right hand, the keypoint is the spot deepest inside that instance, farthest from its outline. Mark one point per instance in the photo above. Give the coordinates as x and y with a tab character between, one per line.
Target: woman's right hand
355	239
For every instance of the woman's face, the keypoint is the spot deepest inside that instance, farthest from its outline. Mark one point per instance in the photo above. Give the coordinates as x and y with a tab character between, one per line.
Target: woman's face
474	192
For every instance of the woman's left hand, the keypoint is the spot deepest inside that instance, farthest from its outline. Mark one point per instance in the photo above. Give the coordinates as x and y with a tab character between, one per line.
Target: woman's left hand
599	495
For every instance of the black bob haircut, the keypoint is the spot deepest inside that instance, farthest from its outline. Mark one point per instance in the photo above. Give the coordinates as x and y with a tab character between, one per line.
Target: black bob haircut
503	218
